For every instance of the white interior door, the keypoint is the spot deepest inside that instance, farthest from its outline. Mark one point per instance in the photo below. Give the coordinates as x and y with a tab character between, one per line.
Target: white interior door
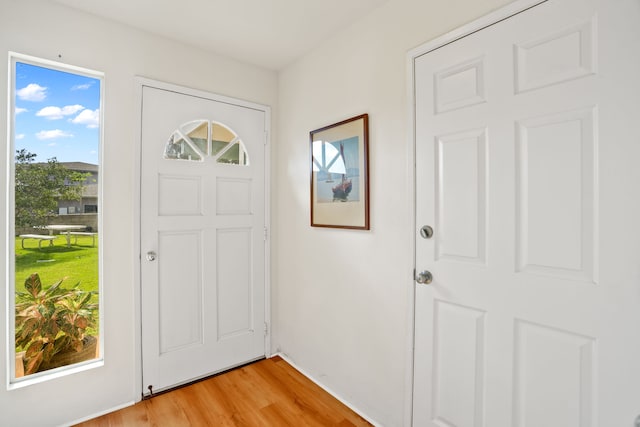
202	236
527	149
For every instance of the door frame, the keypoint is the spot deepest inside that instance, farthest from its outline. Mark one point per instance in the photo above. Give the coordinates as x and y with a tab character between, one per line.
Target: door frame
140	83
505	12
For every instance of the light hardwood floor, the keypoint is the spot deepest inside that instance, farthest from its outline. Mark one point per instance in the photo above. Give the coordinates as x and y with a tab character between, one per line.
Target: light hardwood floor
265	393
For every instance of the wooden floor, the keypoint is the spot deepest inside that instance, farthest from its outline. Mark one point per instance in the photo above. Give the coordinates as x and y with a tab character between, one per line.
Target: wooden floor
265	393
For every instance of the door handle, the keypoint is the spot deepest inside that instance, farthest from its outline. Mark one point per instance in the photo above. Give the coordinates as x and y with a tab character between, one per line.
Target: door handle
424	277
151	256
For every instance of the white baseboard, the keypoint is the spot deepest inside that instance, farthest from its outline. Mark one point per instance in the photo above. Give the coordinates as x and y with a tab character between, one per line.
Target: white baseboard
99	414
328	390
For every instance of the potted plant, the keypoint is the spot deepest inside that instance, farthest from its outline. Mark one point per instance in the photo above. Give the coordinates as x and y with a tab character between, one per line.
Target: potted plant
52	323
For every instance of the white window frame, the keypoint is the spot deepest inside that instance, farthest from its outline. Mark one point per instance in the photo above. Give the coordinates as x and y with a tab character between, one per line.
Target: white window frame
10	353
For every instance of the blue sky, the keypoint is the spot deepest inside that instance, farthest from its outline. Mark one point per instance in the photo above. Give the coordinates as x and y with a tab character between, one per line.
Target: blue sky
57	114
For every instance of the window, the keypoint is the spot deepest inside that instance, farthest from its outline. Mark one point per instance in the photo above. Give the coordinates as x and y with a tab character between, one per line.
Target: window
196	139
54	260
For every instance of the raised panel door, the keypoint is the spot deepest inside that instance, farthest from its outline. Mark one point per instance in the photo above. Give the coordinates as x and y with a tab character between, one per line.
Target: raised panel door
203	217
526	166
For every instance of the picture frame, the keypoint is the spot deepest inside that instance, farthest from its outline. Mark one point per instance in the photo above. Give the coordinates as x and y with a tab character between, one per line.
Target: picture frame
339	174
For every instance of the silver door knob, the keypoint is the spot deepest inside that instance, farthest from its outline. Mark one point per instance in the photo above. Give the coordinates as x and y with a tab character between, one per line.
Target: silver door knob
424	277
151	256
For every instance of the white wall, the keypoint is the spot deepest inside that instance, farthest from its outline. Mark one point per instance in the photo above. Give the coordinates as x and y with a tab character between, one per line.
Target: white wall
45	29
341	300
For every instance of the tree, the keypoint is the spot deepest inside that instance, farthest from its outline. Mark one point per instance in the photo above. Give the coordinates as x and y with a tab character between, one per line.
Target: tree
39	186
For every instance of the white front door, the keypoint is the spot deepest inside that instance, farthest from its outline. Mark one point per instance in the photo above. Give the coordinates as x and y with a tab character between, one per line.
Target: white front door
202	235
527	149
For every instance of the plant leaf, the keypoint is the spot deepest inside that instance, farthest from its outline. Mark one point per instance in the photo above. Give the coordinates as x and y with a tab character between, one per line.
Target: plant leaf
85	299
34	348
33	284
33	364
82	323
48	351
28	328
63	343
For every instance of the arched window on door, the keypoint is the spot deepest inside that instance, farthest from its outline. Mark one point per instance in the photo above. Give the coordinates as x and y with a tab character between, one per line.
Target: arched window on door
198	140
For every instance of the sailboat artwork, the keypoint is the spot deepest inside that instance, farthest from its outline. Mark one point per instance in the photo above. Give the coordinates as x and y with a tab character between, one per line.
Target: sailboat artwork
339	190
336	164
342	190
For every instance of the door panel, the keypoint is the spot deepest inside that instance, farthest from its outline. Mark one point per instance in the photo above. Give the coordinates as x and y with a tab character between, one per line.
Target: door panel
180	290
235	313
461	196
555	168
547	356
203	215
525	135
458	361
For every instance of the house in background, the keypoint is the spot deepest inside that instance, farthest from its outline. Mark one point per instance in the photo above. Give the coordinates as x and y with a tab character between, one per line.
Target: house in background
347	325
84	211
89	202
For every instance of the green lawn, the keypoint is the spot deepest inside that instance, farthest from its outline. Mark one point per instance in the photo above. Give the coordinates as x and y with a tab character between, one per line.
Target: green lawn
76	264
79	263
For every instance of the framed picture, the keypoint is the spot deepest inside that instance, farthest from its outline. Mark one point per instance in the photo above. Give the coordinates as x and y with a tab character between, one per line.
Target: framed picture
339	176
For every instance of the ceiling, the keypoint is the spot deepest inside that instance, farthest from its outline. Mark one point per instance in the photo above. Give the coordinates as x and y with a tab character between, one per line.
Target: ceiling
267	33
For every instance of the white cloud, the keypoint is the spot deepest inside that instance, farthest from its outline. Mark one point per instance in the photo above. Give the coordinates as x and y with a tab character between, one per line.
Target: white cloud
56	113
20	110
32	92
51	144
20	136
91	118
52	134
82	87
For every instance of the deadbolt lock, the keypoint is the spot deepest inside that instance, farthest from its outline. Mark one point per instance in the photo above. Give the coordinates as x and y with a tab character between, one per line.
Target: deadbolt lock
426	232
